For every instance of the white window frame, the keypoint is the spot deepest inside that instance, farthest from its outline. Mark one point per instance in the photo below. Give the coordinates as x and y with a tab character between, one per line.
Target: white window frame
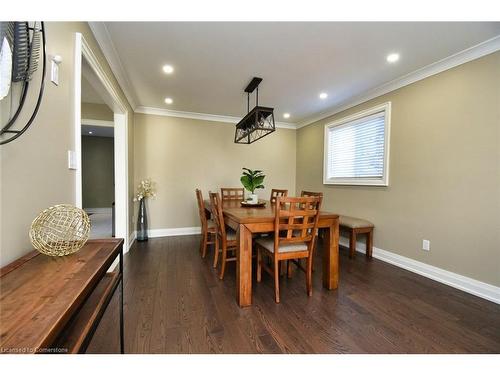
384	181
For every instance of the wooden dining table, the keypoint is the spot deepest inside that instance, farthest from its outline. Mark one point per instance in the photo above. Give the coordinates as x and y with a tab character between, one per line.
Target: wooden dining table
247	221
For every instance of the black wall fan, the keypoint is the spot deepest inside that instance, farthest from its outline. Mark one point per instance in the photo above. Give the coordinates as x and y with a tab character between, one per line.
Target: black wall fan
22	45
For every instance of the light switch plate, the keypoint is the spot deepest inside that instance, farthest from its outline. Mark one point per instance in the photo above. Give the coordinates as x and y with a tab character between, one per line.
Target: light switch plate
72	159
54	73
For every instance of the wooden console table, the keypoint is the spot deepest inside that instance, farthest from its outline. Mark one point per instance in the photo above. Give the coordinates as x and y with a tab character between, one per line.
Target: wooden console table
54	304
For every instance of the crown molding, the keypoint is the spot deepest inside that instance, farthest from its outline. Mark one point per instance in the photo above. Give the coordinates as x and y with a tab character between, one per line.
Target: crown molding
201	116
93	122
105	42
482	49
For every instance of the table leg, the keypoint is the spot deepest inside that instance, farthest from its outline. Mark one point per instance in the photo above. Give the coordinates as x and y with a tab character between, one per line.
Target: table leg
331	256
122	337
244	266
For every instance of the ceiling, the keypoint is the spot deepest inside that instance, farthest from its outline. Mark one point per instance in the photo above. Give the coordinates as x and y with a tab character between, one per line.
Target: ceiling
214	61
98	131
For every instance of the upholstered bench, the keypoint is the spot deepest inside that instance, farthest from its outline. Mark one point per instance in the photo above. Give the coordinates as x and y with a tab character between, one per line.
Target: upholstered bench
357	226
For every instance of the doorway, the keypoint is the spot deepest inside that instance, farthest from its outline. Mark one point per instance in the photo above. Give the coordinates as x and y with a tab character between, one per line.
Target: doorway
89	75
98	177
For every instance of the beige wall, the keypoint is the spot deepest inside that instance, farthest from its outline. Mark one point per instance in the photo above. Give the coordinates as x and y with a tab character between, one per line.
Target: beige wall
182	155
34	170
444	171
98	189
95	111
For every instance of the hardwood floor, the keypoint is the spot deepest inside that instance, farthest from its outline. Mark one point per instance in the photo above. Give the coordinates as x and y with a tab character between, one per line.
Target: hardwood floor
175	303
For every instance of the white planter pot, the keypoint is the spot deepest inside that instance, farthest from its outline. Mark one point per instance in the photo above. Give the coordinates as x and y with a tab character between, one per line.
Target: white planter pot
254	198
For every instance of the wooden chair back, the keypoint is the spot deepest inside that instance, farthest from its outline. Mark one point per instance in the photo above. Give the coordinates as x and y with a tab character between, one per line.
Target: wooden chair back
216	208
275	193
233	194
296	220
201	209
305	193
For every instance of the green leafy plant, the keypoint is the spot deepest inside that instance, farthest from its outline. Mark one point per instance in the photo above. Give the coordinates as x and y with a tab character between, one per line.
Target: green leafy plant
252	180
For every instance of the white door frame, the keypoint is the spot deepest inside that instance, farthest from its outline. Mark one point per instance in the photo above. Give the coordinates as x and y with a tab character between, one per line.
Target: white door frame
83	50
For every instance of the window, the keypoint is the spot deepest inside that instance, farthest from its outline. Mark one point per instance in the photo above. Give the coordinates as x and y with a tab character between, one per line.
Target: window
357	149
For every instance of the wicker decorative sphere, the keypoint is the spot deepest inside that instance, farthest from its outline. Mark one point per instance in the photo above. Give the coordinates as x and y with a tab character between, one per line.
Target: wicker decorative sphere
60	230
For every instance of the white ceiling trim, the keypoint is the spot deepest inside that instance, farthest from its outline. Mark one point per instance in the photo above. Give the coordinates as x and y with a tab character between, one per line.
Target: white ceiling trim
482	49
105	42
92	122
201	116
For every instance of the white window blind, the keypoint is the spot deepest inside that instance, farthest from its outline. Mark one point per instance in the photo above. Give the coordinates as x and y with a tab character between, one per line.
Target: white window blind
355	150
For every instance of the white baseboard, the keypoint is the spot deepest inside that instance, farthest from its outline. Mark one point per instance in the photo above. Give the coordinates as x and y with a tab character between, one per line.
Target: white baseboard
98	210
466	284
131	240
167	232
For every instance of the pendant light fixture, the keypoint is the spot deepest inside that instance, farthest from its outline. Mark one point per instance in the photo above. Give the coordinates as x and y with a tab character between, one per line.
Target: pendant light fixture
258	122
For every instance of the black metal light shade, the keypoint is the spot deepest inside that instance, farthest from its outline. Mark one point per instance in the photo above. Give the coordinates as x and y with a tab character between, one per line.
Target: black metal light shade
258	122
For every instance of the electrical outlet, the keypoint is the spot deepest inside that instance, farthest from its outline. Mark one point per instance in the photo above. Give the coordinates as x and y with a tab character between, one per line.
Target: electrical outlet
426	245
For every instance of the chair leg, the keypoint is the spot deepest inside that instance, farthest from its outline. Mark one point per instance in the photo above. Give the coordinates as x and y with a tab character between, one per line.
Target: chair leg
216	253
282	268
204	241
276	280
312	260
369	244
259	265
201	242
309	277
289	269
216	242
223	266
352	244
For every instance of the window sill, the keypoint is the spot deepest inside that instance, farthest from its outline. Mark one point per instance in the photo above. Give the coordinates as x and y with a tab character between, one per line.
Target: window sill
357	183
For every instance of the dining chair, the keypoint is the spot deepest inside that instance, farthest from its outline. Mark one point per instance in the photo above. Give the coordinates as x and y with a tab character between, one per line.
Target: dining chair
208	227
305	193
226	236
277	193
233	194
295	227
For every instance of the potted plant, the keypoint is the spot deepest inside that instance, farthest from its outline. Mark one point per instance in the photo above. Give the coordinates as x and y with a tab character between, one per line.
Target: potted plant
252	180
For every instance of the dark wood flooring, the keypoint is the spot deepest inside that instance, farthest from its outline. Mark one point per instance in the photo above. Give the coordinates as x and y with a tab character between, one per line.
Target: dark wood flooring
175	303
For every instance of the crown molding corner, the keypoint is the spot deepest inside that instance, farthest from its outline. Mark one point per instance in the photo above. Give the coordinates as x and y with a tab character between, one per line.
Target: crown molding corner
475	52
105	42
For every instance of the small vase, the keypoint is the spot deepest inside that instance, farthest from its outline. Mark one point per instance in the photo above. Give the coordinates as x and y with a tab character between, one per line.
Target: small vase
142	222
254	198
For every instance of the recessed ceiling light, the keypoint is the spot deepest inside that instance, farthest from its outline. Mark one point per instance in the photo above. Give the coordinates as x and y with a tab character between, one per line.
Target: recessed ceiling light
168	69
323	95
286	115
90	132
393	57
168	100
